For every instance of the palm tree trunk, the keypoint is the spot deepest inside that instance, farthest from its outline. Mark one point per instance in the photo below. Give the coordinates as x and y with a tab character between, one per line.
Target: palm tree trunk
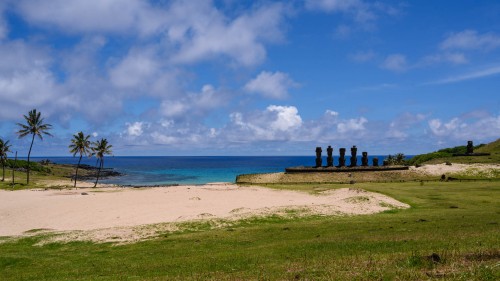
3	168
77	166
13	170
98	172
29	153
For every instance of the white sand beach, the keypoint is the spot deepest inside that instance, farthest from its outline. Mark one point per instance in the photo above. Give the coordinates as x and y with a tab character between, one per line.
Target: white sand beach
88	209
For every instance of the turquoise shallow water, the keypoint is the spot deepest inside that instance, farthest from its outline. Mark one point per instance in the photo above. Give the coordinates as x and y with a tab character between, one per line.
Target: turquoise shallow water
145	170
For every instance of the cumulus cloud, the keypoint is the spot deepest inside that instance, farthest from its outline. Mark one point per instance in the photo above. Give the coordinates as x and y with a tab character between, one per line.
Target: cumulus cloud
275	123
352	125
135	69
93	16
26	81
471	40
194	104
135	129
399	127
192	31
395	62
271	85
201	31
459	128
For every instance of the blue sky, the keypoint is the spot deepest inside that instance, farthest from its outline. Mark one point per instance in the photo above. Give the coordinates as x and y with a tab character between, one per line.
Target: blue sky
252	77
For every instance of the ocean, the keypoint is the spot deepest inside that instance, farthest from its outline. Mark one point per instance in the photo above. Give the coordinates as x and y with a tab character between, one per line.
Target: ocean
183	170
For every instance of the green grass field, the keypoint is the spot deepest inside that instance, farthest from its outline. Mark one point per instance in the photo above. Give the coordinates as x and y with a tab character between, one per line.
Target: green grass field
456	221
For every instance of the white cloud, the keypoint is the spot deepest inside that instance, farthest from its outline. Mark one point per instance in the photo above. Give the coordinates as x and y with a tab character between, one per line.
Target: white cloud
350	125
332	5
286	117
135	69
471	40
194	105
191	31
275	123
395	62
450	57
331	113
159	138
460	128
202	32
173	108
361	11
26	81
93	15
135	129
271	85
400	126
469	76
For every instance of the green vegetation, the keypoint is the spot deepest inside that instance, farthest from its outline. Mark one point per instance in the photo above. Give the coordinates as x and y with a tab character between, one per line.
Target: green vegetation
34	126
4	150
446	155
450	233
80	144
100	149
41	174
397	159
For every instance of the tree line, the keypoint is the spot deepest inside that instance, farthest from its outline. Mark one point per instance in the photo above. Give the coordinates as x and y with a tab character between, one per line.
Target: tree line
81	145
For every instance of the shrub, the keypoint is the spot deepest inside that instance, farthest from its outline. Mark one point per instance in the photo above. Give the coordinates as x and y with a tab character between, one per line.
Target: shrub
23	164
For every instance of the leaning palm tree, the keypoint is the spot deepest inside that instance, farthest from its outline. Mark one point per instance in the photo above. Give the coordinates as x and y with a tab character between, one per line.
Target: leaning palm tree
100	149
80	144
34	126
4	149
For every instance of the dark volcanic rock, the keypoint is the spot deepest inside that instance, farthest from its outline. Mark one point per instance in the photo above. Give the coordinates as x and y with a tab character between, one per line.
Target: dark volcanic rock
91	172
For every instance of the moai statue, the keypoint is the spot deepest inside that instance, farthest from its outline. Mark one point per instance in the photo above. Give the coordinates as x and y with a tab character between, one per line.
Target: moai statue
470	147
329	159
364	160
375	162
354	158
319	161
342	157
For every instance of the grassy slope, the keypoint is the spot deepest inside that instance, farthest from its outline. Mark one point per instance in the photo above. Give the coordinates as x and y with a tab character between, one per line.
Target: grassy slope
37	178
458	221
493	148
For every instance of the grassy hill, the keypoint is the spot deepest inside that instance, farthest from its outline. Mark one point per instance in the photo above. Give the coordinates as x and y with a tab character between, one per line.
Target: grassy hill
446	155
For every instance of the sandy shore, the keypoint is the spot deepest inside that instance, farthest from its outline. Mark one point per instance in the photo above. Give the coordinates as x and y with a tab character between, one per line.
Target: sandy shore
88	209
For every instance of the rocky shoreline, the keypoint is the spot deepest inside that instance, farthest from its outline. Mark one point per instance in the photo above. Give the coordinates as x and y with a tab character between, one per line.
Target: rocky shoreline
91	172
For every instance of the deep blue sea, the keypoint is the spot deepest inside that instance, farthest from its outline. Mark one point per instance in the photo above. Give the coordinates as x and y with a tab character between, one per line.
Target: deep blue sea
158	170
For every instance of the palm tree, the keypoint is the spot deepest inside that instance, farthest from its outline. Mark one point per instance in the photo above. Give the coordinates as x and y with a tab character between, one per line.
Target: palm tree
34	126
80	144
4	148
400	158
100	149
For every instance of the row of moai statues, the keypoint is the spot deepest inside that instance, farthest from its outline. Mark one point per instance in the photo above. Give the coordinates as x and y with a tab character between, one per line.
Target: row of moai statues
354	158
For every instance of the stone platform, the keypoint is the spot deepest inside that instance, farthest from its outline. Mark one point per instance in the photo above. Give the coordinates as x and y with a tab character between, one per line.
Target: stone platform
304	169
